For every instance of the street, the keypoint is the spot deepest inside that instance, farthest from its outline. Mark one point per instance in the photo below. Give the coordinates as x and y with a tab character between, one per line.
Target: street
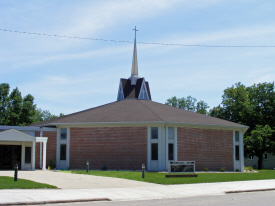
237	199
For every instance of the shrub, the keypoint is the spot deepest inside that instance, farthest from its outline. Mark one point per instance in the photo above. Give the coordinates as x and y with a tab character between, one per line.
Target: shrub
222	169
51	164
205	169
104	168
248	168
237	170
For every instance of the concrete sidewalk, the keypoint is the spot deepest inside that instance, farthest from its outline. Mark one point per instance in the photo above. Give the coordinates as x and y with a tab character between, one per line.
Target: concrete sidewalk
133	193
75	181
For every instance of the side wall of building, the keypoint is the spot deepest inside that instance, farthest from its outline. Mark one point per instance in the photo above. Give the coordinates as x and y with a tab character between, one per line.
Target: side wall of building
123	148
207	147
51	148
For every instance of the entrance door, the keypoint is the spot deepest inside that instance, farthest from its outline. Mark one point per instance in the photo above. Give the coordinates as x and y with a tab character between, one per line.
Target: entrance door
9	156
154	149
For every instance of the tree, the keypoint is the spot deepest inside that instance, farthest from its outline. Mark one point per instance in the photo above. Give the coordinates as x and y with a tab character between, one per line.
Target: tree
259	142
18	111
44	115
4	96
251	106
14	108
188	103
202	107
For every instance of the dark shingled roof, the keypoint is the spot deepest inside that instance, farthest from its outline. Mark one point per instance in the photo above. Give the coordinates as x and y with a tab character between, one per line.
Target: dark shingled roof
133	110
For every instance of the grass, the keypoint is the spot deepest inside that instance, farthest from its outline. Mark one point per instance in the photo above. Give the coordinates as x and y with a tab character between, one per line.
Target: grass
160	178
9	183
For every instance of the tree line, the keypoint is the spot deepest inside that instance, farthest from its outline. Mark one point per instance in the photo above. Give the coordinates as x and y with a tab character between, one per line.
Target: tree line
16	110
253	106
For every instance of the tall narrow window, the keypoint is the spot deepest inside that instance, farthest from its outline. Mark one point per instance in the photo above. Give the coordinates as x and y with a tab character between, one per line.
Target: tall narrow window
237	152
143	93
62	152
237	136
28	154
63	135
171	152
265	156
154	151
170	133
154	133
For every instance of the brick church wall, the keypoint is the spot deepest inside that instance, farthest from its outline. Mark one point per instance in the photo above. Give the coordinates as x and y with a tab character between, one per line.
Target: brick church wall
207	147
51	148
123	148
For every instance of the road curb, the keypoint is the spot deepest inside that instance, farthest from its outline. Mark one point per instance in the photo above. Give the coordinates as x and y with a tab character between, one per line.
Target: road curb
256	190
55	201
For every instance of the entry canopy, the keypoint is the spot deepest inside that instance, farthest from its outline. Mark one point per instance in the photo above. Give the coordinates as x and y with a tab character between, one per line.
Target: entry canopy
14	135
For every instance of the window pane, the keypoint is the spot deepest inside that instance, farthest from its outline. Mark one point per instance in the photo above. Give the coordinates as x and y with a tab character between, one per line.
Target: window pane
154	133
170	132
64	133
62	152
171	151
237	152
154	151
265	156
28	154
237	139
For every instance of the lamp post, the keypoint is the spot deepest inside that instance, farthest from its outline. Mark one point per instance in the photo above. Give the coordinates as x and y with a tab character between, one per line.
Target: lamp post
15	172
87	166
143	169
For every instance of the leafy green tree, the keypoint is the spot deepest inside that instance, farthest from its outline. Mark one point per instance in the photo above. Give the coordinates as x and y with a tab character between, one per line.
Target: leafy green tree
202	107
28	110
259	142
14	108
251	106
18	111
4	96
44	115
188	103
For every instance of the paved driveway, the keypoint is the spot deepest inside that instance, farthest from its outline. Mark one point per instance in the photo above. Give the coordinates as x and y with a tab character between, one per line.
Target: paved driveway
76	181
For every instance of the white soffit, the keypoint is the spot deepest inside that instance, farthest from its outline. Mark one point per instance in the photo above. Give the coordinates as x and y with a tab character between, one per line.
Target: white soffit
15	135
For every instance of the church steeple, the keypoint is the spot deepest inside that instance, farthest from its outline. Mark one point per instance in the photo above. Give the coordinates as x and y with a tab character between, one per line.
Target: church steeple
134	87
134	73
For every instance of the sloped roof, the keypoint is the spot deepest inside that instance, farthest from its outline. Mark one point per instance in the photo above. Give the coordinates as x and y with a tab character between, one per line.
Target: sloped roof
133	110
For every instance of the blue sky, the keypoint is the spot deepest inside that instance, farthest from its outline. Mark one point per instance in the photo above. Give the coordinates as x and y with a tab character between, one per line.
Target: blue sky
68	75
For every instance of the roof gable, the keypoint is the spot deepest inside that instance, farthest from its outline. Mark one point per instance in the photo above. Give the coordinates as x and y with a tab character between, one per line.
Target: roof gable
15	135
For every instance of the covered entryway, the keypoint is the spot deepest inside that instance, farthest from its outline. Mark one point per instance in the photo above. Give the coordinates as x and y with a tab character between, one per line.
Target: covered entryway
19	148
9	156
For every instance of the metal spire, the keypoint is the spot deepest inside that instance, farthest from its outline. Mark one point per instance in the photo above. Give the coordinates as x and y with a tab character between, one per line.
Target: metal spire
134	74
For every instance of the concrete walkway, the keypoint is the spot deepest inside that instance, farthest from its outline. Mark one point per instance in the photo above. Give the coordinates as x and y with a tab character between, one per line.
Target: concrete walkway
75	181
131	191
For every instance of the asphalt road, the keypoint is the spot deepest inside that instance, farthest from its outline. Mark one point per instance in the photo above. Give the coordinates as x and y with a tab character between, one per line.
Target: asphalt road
237	199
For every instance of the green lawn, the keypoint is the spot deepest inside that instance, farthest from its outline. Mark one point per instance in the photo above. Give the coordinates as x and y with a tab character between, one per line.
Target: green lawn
9	183
160	178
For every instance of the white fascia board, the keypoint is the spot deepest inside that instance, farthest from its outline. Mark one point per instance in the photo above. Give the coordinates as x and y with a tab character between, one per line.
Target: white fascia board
26	128
41	139
155	123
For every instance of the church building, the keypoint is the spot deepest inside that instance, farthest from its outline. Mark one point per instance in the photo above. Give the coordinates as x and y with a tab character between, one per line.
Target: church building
124	134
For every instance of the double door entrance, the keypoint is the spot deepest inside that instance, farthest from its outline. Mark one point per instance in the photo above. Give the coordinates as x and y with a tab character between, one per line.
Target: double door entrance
162	147
9	156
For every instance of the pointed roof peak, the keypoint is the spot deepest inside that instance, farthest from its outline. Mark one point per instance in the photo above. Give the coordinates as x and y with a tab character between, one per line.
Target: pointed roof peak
134	73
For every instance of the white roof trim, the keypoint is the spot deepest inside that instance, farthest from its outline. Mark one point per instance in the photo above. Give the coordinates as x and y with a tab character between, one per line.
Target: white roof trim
27	128
164	123
41	139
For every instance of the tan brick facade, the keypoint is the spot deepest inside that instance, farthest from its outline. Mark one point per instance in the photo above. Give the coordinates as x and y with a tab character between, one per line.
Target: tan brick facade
123	148
208	147
51	148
